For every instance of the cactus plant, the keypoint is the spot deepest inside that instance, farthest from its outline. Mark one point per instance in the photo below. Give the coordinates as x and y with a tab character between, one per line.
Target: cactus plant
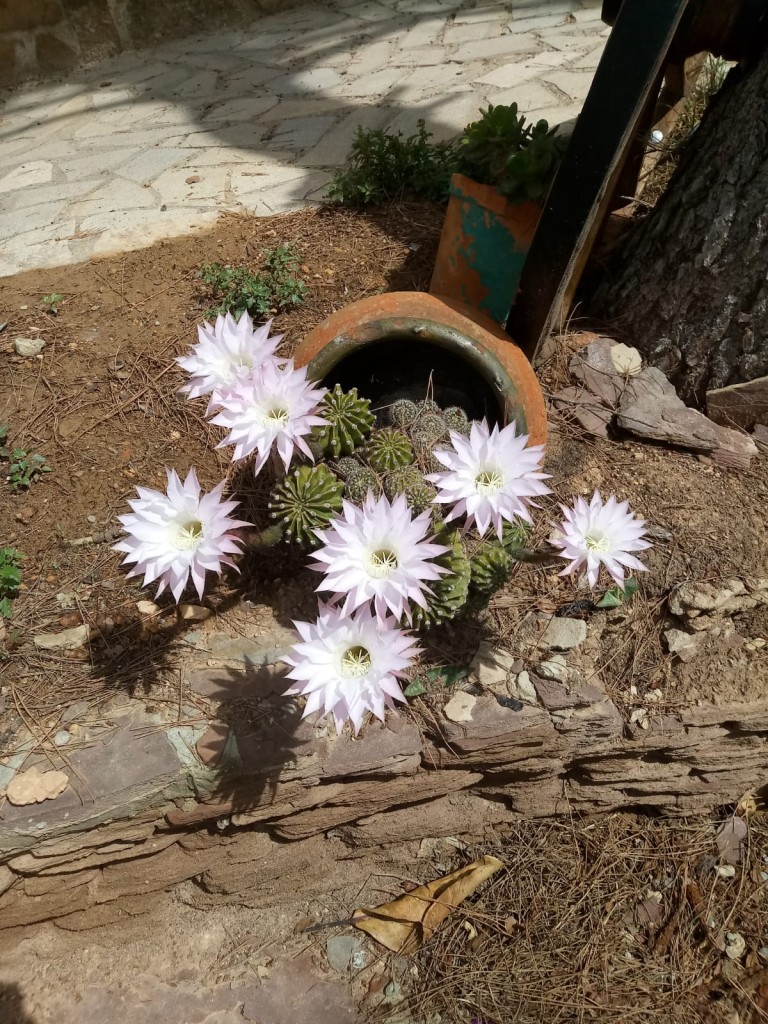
358	484
449	593
388	449
403	412
489	568
306	501
350	422
401	479
345	465
456	419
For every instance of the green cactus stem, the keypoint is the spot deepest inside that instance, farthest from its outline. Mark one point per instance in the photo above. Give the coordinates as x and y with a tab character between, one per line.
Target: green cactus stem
388	449
305	502
350	422
449	593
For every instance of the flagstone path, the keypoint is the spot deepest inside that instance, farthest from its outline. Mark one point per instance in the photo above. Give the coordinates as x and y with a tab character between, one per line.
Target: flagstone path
157	143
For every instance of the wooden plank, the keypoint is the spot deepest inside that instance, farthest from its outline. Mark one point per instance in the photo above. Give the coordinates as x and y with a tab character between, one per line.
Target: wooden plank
740	405
627	76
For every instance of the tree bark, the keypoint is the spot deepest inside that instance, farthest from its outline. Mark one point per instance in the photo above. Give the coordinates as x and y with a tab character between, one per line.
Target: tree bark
689	285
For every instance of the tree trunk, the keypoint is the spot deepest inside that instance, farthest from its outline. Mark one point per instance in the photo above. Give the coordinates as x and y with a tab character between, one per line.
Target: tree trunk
689	286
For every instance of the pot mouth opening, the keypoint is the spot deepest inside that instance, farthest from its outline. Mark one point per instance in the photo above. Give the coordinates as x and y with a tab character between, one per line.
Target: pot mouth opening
405	365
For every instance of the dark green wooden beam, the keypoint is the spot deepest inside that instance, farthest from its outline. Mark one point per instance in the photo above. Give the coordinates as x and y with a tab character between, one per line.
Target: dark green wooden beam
629	72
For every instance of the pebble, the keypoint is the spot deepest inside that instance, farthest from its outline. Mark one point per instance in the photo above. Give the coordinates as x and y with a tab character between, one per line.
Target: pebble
62	738
725	871
194	613
459	707
554	668
564	634
523	688
28	347
68	639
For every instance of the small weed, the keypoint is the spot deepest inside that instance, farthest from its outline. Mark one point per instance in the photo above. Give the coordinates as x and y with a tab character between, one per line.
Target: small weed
10	579
52	302
279	286
22	468
382	167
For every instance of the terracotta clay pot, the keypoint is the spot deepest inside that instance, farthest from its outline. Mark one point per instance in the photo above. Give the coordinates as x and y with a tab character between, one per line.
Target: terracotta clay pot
483	246
401	343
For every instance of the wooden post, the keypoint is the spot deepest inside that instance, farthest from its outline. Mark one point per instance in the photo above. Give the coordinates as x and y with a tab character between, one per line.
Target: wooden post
629	72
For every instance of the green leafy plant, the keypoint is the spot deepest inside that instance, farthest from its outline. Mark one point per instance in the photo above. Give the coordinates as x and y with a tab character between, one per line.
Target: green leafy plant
52	302
616	596
384	166
22	468
279	286
10	579
501	149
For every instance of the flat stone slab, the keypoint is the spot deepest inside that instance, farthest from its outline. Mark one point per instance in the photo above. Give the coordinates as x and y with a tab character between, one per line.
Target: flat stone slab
290	89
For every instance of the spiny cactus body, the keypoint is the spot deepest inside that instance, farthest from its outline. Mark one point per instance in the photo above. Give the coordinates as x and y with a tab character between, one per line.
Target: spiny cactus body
350	422
490	568
306	501
456	419
403	412
358	484
388	449
449	593
401	479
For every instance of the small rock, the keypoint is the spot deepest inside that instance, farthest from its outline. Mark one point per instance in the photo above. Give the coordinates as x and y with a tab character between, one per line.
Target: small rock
555	668
735	946
147	609
28	347
34	786
192	179
194	613
67	640
491	666
211	744
725	871
523	688
459	707
638	716
685	646
7	878
626	360
341	950
564	634
62	738
66	601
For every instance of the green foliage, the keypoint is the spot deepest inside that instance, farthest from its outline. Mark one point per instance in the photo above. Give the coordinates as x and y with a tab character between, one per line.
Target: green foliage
382	167
389	449
501	149
449	593
306	501
52	302
350	422
616	596
279	286
10	579
515	535
22	467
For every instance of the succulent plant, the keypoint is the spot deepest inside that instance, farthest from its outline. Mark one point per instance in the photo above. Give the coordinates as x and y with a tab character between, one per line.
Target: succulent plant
449	593
403	412
420	496
306	501
515	535
399	480
358	484
350	422
426	405
345	465
456	419
430	428
490	568
389	449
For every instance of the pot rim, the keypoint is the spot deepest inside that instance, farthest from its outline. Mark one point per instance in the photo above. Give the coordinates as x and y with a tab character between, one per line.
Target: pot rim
431	332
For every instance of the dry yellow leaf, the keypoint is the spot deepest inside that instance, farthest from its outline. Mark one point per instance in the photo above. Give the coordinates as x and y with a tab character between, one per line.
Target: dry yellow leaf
407	922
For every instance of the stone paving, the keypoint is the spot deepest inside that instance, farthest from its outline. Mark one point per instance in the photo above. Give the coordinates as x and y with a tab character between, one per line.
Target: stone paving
156	144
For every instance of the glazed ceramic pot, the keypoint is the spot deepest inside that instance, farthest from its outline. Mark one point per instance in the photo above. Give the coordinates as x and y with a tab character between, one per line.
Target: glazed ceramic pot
483	246
410	344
